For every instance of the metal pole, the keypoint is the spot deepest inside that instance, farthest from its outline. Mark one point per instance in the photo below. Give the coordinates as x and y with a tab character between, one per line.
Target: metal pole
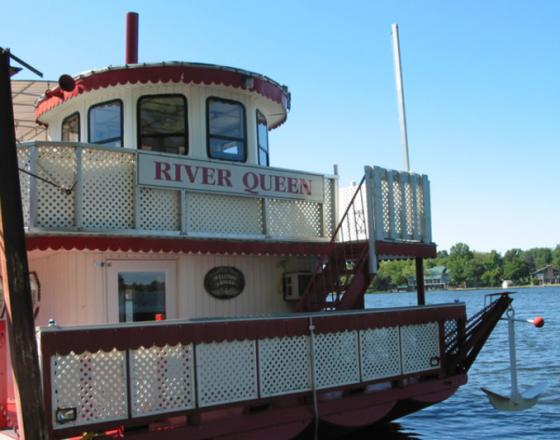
400	94
15	274
512	355
420	288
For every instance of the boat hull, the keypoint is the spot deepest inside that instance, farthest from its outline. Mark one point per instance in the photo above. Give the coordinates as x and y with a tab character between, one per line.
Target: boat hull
340	413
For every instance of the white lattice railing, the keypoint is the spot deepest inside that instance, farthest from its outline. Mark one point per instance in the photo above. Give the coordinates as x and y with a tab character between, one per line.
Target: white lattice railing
90	188
397	201
401	205
94	375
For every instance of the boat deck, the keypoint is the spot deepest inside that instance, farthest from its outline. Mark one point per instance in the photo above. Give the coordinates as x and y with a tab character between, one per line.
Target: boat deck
105	376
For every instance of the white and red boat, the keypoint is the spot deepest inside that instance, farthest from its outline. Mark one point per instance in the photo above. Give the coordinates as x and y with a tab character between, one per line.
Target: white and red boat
185	288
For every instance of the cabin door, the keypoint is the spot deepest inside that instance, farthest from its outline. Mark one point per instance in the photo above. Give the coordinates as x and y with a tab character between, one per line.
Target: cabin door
141	290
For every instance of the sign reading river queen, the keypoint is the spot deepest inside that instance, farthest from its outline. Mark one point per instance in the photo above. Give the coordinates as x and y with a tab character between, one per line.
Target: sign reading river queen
244	180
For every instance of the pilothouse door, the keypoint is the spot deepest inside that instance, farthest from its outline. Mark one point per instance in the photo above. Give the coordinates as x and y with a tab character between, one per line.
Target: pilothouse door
141	290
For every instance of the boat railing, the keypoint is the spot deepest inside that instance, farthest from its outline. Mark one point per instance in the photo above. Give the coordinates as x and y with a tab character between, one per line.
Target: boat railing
99	377
76	187
387	206
399	204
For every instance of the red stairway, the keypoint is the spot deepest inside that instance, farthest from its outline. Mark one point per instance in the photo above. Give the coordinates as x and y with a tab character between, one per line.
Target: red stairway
387	217
342	276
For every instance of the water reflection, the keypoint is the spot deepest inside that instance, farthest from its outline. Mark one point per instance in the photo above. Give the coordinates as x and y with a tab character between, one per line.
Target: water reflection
390	431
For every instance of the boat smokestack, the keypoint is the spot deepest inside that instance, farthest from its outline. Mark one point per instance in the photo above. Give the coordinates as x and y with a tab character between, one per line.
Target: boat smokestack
131	38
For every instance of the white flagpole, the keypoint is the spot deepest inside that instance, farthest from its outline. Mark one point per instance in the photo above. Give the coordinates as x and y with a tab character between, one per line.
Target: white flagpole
400	93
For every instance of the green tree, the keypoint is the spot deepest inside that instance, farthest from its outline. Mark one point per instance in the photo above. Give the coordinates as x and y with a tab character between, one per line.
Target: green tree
474	268
457	262
556	256
538	257
396	272
516	266
493	269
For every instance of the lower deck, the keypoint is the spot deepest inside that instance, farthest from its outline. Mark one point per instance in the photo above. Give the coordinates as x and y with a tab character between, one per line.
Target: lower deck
148	336
348	369
146	333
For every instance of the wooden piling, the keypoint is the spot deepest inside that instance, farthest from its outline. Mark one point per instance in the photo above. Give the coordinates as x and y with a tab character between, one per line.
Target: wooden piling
420	281
15	274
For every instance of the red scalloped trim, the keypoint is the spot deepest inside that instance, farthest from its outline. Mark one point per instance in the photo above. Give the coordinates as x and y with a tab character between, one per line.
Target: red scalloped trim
165	74
385	250
173	245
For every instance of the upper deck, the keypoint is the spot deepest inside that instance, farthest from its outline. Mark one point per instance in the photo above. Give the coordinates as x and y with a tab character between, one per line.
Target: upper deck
182	150
172	149
84	188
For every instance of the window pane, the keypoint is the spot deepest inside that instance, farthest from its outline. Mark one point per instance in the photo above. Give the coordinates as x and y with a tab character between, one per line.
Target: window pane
165	144
262	139
141	296
162	124
262	133
227	149
226	119
71	128
263	157
105	124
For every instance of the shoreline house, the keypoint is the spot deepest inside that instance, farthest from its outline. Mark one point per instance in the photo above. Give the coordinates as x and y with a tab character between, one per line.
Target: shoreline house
547	275
436	277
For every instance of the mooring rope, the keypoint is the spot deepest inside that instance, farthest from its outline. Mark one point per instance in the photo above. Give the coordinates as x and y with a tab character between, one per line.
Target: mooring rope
50	182
313	379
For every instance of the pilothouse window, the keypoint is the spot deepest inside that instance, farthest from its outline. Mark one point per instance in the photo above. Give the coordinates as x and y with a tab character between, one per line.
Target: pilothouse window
262	139
71	128
105	124
162	123
226	130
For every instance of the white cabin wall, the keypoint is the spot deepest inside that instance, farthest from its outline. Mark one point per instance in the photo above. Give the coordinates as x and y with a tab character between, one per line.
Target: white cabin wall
251	115
130	136
197	123
262	293
74	286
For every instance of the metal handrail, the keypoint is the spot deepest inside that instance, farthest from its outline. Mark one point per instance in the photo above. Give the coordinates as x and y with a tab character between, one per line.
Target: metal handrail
337	255
471	337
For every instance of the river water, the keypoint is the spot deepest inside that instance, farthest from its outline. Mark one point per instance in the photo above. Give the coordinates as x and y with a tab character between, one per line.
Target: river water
468	414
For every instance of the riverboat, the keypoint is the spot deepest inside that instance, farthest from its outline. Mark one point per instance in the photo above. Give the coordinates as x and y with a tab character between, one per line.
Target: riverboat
185	288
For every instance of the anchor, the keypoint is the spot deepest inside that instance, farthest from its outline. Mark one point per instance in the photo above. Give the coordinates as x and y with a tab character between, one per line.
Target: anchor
517	401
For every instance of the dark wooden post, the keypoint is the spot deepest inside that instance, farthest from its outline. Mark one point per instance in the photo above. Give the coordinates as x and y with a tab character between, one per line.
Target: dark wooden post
15	273
420	281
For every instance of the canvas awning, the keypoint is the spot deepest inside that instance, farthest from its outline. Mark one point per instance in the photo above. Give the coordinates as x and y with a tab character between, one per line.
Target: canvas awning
25	93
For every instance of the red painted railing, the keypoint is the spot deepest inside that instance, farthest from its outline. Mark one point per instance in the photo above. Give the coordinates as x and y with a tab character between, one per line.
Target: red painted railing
342	276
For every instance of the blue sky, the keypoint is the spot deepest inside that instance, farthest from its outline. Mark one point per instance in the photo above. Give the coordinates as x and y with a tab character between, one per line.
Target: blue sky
481	83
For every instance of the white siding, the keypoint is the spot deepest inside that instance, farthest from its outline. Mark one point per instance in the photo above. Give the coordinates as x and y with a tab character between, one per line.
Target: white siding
74	285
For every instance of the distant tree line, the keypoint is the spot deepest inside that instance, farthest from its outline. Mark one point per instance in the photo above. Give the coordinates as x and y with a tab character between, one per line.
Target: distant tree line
469	268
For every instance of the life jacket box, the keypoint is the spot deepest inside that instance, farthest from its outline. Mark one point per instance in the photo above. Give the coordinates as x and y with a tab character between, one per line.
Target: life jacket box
294	284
